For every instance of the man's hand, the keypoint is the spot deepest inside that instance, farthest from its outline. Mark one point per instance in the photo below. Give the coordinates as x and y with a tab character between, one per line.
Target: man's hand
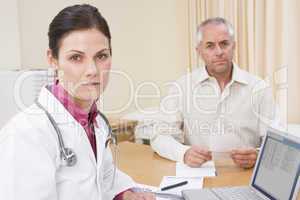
129	195
196	156
244	158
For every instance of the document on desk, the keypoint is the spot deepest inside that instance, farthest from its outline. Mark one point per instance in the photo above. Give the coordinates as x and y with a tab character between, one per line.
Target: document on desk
147	187
207	169
193	183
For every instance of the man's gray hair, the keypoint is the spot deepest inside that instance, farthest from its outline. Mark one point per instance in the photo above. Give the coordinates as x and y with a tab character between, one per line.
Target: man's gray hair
216	21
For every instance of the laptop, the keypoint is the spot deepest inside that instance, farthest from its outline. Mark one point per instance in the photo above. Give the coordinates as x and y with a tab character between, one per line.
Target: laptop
275	176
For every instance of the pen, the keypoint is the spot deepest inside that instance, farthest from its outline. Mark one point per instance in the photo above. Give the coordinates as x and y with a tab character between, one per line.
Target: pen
174	185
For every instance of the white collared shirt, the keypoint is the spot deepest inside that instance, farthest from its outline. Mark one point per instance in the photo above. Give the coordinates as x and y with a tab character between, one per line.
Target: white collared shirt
200	114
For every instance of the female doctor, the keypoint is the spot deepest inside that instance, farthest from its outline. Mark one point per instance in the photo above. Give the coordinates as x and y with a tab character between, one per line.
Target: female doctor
57	149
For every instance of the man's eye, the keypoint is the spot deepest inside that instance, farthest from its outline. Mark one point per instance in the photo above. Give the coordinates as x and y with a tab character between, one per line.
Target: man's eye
224	44
75	58
209	46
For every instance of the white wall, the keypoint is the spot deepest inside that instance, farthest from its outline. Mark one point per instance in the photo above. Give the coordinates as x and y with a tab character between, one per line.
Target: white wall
9	35
35	17
149	44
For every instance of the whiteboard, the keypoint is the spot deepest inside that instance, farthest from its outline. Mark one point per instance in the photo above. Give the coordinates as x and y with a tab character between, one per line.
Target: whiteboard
19	89
10	50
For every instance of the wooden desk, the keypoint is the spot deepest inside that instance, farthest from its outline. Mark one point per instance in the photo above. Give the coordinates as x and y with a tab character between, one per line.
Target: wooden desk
147	167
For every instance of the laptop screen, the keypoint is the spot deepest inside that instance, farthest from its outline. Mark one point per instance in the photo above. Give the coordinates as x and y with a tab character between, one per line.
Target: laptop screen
278	169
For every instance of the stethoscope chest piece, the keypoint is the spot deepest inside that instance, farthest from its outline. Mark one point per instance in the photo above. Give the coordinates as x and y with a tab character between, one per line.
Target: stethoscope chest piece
69	157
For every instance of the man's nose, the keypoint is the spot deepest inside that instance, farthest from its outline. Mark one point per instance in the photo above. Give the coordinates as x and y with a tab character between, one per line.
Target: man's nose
218	50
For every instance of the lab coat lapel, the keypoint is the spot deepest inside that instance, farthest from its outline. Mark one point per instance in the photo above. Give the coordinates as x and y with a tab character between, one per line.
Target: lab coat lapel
65	122
101	135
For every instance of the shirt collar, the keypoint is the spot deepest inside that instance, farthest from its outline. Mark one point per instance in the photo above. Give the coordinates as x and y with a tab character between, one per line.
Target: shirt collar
203	76
237	75
80	115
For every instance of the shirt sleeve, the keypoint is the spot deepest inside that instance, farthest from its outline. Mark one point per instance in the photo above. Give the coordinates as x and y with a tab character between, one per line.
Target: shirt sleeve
26	169
114	181
167	136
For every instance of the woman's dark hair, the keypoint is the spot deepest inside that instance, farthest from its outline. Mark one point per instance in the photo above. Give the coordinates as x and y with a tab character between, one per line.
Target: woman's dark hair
77	17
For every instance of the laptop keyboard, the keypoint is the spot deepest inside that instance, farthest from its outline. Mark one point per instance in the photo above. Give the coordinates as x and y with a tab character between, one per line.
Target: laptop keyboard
236	193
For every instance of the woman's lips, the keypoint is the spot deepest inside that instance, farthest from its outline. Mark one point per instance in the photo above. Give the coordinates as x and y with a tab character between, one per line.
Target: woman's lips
91	84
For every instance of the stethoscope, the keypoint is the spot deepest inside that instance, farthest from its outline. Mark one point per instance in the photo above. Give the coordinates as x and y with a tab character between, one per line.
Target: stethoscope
68	154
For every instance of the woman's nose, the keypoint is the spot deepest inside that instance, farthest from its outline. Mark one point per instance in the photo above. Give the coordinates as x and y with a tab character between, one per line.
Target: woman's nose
91	68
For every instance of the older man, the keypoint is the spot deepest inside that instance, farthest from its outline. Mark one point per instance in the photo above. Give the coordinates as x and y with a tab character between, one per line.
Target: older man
218	107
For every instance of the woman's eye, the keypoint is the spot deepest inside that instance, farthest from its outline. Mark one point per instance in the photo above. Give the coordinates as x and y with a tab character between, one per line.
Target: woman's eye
75	58
103	56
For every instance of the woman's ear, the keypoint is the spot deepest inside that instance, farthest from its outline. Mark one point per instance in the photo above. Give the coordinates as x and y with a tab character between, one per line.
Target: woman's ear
52	61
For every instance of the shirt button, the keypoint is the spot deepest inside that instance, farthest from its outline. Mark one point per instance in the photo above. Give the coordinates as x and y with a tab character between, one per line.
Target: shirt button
83	123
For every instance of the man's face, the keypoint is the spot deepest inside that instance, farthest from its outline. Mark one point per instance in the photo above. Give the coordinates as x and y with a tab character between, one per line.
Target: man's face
216	48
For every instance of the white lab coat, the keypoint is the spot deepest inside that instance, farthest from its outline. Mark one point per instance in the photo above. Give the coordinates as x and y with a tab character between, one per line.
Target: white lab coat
30	163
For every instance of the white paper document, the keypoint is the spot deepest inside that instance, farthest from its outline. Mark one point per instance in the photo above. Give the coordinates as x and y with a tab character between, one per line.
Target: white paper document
207	169
147	187
226	142
193	183
221	155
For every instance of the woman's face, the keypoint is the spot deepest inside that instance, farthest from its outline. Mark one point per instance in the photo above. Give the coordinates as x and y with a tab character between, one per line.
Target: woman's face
83	64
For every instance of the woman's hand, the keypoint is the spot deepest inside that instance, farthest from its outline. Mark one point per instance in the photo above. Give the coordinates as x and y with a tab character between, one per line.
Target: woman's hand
129	195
